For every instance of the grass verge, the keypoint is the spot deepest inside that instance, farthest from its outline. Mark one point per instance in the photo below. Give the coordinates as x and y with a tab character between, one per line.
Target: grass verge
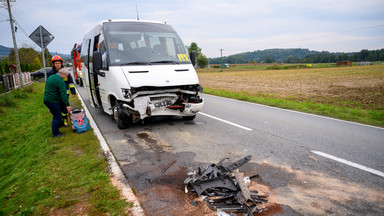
41	175
365	116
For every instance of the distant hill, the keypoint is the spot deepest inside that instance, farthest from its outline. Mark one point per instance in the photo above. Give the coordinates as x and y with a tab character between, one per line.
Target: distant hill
62	55
4	51
270	55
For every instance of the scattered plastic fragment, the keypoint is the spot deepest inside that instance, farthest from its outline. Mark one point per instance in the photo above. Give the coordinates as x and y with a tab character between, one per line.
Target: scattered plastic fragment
225	189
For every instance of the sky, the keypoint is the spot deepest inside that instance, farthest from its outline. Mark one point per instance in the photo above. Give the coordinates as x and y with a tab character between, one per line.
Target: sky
232	25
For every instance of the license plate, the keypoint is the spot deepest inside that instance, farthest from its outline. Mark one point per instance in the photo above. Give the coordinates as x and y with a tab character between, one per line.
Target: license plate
163	103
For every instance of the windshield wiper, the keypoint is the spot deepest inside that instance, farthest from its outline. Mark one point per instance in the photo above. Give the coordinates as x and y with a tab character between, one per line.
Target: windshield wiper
166	61
136	63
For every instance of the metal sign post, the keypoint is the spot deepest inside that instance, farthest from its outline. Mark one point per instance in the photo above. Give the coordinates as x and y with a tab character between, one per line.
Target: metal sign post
42	38
42	51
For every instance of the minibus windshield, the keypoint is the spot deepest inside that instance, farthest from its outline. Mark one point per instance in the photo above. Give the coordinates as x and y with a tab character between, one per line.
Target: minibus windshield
140	43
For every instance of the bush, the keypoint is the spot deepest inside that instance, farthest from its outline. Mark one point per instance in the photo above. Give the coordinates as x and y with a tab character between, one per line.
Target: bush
274	67
7	101
20	94
28	89
285	67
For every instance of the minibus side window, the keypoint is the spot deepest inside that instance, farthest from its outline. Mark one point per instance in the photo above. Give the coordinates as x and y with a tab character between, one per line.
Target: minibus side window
84	52
103	51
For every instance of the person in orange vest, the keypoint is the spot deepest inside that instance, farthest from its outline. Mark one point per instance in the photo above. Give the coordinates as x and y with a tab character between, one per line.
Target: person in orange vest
57	62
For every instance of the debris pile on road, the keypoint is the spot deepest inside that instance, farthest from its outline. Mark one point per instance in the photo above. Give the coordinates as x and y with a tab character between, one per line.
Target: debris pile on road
225	188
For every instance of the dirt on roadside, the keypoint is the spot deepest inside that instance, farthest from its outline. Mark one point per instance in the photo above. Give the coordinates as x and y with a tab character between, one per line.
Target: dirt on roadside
157	176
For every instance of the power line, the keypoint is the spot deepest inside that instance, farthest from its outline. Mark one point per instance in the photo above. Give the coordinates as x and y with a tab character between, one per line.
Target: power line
25	20
3	15
22	29
21	23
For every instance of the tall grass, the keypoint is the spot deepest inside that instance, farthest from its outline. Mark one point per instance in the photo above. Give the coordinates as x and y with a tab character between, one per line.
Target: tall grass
40	175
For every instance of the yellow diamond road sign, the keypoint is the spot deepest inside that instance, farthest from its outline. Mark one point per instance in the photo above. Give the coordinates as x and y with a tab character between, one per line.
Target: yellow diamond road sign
41	33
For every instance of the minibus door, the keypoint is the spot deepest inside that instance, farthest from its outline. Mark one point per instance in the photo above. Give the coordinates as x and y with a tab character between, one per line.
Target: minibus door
94	79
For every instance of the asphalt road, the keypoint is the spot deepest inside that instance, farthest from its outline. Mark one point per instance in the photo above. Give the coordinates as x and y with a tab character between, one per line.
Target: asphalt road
311	165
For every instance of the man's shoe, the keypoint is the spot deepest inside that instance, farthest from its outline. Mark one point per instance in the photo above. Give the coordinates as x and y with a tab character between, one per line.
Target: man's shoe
58	135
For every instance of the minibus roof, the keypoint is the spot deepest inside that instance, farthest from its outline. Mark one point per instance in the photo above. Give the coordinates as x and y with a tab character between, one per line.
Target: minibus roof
91	33
131	20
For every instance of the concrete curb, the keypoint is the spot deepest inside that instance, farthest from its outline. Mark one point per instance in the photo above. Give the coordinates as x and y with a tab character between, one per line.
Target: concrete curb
117	176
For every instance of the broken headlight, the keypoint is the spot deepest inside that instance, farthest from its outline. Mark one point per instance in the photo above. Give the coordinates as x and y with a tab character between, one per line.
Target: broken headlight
200	89
127	93
196	88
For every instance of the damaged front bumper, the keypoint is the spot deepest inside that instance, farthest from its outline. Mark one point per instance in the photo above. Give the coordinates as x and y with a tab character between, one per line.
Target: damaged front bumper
164	104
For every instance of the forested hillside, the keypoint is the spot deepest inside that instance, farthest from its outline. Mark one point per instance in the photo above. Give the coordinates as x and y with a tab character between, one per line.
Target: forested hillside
299	56
4	51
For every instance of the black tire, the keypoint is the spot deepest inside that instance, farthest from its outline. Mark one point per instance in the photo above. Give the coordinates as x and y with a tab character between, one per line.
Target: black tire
189	118
122	119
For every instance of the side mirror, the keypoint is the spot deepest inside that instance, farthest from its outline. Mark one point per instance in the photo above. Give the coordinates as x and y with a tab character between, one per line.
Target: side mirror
97	63
192	56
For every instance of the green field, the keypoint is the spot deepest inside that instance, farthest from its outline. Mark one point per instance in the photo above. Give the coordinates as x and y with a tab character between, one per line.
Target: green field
268	66
351	93
41	175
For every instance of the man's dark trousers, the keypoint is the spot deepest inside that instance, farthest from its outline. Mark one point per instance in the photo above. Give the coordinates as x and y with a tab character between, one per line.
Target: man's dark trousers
54	108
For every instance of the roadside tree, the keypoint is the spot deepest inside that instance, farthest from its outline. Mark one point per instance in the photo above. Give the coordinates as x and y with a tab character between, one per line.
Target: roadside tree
202	61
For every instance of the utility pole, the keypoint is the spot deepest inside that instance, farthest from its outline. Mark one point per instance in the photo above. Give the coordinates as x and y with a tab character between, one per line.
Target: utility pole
221	59
137	13
14	43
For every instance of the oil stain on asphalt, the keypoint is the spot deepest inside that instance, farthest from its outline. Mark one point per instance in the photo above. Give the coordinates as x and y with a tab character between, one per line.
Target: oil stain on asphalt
157	176
157	173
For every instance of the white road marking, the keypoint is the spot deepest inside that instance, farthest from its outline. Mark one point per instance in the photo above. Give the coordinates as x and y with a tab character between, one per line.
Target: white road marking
349	163
294	111
225	121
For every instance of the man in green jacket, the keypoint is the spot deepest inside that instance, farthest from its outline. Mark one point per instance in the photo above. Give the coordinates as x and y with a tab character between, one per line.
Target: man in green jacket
55	93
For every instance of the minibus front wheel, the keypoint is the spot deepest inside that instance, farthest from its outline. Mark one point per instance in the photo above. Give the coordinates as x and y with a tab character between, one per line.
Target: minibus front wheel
122	119
189	118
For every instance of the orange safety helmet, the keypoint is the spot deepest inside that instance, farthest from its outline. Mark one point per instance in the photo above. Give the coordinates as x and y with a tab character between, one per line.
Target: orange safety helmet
57	58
